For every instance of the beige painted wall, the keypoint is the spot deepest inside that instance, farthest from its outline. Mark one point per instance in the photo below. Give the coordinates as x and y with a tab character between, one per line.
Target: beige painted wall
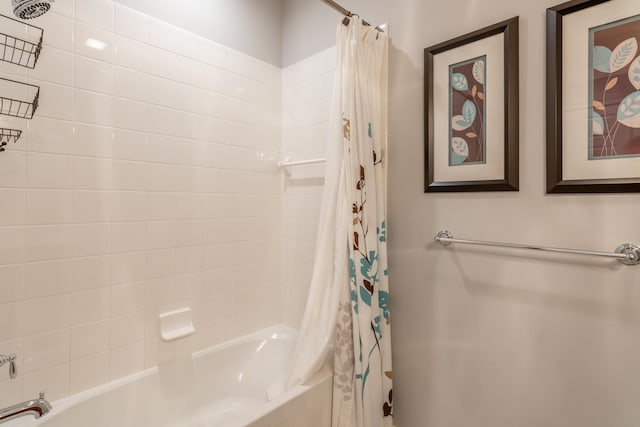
485	337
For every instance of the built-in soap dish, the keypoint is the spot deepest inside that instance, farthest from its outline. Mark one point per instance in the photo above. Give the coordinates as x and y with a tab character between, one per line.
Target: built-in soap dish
176	324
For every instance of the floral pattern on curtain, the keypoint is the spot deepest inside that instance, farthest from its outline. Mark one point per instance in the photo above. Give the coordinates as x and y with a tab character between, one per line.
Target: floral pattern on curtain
363	395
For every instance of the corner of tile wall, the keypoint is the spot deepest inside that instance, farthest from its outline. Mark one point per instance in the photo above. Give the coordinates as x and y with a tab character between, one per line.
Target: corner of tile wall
307	88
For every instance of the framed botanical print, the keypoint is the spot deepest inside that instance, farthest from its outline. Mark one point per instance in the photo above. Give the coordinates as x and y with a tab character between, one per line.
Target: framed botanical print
471	111
593	97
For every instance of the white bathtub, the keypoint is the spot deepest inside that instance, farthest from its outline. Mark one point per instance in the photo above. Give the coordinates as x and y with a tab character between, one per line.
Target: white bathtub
221	386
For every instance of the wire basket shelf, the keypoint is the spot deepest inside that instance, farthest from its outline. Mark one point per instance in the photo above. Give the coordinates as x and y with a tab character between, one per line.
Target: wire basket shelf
18	99
17	49
8	135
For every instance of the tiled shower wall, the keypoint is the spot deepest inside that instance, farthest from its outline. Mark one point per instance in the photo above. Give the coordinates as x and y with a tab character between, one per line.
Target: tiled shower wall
146	181
307	87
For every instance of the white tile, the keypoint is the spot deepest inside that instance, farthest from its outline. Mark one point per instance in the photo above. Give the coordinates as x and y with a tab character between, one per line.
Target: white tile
58	31
44	351
93	108
132	23
128	176
216	256
49	135
216	205
161	263
128	268
89	306
46	278
55	101
92	75
90	272
13	206
54	66
46	314
132	115
161	206
189	259
161	177
216	230
127	329
12	243
158	352
89	372
94	42
53	381
10	391
48	207
13	169
131	84
164	149
100	13
190	179
127	360
161	292
190	232
167	121
91	173
90	240
190	206
47	242
128	236
132	54
216	282
166	64
11	283
48	171
215	180
89	339
91	206
65	7
11	325
191	153
215	79
128	299
129	206
189	289
130	145
92	141
162	234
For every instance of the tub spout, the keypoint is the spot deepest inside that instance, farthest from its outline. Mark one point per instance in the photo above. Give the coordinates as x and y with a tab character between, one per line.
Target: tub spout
36	407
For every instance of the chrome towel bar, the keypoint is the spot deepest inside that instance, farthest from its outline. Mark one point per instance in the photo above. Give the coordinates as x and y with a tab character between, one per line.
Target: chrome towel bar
626	253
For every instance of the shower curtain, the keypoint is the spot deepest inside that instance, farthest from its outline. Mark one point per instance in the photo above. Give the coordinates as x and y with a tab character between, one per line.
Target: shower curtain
348	306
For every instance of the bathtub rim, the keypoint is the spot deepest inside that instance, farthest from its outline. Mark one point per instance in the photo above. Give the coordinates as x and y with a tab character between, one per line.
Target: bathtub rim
277	331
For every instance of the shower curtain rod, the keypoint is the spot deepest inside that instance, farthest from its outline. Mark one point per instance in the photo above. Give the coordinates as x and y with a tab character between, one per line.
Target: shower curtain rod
345	12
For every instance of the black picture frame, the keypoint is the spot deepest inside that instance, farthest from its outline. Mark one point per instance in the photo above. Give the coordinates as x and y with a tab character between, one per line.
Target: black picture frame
510	182
554	144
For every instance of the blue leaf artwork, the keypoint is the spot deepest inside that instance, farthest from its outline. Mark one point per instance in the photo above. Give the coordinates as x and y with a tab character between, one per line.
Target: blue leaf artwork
597	124
601	59
629	110
634	73
614	90
623	54
459	151
459	82
467	112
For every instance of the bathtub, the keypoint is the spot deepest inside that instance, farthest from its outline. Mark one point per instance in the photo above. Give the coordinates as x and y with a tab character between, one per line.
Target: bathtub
222	386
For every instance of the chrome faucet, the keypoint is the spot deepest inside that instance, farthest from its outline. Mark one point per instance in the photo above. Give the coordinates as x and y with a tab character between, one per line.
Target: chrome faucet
11	360
36	407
